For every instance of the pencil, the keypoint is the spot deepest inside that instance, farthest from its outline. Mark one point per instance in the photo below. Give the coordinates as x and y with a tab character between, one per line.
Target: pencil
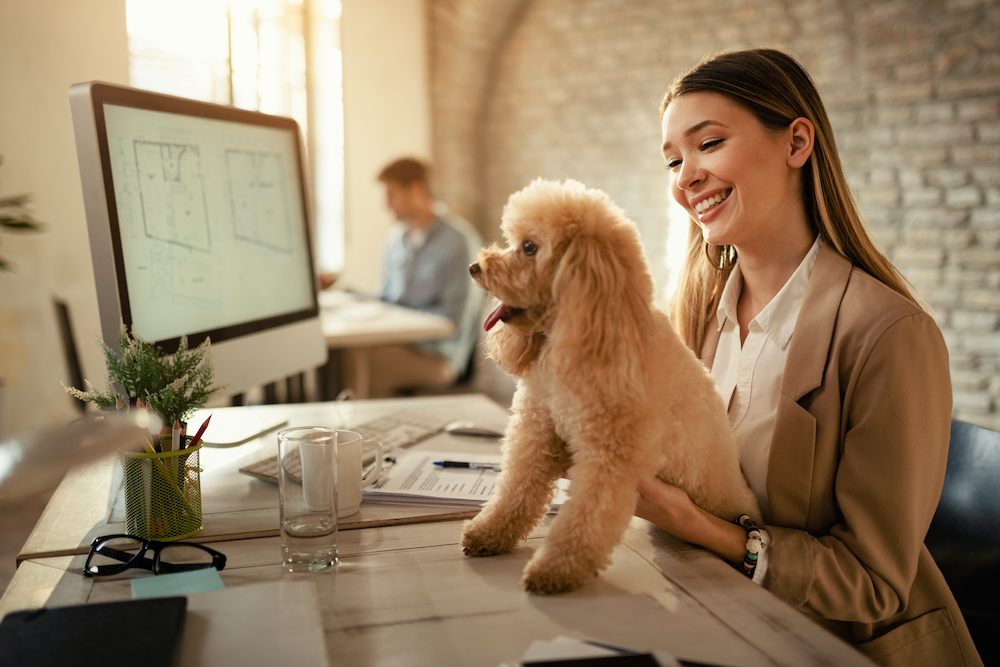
146	442
175	436
201	430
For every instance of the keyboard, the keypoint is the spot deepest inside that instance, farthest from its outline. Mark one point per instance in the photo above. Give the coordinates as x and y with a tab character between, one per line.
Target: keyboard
400	428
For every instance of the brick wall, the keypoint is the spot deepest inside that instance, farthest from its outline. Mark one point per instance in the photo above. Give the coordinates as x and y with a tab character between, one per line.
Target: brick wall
569	88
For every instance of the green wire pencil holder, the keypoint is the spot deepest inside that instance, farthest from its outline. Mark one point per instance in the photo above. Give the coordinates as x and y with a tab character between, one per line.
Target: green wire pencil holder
162	494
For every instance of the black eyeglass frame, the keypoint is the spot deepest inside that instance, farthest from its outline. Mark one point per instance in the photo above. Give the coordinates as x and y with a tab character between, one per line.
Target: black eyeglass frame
138	559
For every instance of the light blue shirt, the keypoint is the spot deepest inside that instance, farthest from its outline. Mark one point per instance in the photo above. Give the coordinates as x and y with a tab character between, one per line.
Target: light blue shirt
434	277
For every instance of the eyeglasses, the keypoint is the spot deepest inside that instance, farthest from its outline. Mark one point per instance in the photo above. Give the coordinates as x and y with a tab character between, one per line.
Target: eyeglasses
113	554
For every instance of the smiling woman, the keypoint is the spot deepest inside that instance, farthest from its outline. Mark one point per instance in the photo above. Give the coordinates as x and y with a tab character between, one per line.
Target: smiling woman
739	180
773	88
836	381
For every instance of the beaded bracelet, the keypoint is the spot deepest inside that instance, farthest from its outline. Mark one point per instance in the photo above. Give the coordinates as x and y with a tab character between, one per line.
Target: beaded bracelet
755	544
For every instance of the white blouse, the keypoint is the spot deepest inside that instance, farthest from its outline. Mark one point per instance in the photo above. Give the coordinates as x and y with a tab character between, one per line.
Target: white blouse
749	375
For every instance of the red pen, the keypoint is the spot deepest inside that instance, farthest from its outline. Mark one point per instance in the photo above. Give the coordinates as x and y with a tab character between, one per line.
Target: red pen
201	430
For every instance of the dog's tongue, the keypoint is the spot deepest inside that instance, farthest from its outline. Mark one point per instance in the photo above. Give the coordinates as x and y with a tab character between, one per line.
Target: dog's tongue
495	316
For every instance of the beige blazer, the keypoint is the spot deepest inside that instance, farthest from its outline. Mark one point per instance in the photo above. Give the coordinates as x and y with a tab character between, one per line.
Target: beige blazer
856	469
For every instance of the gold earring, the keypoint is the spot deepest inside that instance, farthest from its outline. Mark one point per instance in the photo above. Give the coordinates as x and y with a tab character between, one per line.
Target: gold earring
726	257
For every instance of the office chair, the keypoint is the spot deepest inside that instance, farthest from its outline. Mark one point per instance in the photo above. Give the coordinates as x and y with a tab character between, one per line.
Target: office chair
70	353
964	537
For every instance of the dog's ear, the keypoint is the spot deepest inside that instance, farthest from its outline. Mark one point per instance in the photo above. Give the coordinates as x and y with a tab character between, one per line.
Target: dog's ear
513	351
601	293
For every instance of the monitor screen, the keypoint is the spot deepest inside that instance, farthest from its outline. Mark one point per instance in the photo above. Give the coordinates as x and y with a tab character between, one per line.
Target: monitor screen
199	226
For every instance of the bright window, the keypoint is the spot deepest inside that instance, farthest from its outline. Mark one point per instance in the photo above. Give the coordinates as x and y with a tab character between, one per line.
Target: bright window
280	57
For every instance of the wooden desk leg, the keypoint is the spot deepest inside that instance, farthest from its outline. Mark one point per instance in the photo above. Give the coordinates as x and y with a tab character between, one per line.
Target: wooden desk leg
330	376
362	379
348	369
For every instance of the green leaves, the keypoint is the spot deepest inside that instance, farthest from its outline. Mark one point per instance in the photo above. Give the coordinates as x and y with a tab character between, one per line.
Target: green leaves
172	385
15	217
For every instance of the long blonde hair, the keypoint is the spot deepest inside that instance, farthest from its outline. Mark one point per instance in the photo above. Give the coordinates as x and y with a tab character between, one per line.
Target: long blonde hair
776	89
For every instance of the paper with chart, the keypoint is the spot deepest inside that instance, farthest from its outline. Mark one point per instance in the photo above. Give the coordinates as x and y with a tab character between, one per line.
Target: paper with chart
412	478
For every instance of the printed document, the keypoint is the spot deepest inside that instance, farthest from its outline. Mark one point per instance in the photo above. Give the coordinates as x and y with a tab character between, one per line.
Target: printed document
414	477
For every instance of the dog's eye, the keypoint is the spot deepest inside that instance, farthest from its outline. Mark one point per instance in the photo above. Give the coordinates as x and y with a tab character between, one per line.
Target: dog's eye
528	248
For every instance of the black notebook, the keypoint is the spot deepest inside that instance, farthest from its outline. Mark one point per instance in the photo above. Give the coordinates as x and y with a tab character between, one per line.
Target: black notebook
145	632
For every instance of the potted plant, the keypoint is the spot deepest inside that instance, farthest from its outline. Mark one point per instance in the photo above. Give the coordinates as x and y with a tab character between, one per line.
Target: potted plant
162	486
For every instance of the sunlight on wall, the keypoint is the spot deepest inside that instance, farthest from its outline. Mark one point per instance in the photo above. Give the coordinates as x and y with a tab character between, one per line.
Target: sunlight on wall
677	235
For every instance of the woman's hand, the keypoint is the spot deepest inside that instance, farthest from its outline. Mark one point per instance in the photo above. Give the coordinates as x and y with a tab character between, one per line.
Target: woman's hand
671	508
665	505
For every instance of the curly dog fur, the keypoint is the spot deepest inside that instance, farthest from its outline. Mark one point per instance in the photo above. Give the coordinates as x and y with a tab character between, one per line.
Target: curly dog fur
607	392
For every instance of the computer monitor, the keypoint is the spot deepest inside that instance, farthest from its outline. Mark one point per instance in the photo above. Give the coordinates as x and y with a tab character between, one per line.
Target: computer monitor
199	226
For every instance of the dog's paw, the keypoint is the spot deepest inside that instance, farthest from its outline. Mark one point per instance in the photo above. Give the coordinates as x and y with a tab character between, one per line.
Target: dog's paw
546	576
478	539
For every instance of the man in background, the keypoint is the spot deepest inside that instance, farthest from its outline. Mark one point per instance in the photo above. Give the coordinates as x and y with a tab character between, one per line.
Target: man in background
425	266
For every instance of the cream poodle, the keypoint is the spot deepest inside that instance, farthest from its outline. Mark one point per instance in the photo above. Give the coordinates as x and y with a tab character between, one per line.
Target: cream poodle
607	392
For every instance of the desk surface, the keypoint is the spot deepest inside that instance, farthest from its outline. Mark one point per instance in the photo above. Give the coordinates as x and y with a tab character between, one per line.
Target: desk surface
352	321
89	503
405	593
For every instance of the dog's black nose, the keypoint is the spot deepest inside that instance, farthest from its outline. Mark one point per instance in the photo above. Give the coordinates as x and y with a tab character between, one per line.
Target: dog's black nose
474	268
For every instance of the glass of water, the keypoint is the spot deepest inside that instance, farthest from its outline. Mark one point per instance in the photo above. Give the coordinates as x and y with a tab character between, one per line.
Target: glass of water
307	485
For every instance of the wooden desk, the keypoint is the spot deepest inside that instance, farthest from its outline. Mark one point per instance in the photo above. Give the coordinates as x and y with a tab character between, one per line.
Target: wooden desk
407	595
89	501
404	592
362	325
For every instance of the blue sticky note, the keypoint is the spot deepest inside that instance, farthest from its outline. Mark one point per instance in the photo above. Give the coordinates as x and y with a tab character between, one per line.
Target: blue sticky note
178	583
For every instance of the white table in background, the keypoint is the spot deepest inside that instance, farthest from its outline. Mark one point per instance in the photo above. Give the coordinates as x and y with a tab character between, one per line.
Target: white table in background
363	325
